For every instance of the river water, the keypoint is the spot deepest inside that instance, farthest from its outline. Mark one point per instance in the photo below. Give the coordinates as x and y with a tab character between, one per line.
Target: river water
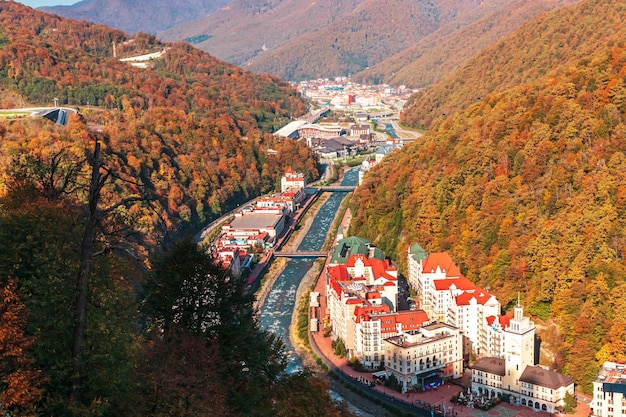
278	308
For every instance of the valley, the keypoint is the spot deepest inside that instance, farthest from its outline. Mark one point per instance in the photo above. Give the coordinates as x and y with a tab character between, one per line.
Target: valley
491	131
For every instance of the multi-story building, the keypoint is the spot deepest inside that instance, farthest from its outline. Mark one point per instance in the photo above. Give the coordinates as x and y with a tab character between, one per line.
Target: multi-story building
372	326
513	373
545	390
468	310
424	357
417	255
361	281
358	130
292	181
449	297
495	335
435	267
609	391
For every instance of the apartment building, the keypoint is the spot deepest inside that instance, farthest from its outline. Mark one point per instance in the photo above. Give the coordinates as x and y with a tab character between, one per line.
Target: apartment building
424	358
609	391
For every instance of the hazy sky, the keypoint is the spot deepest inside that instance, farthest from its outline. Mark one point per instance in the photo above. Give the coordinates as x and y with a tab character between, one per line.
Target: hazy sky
39	3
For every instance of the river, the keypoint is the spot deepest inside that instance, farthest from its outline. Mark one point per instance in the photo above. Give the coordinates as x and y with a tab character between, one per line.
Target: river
278	308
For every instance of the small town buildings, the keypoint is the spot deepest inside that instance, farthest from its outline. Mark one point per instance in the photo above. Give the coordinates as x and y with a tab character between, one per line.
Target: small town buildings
360	116
386	149
366	165
259	226
334	147
361	129
232	258
609	391
308	131
424	358
292	181
290	130
252	226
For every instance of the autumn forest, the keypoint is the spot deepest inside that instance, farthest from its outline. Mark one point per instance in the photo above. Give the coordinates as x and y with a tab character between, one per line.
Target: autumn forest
110	308
521	178
95	219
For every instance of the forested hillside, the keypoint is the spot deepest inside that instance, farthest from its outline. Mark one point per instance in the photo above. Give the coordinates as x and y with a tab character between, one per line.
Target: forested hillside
553	40
525	187
104	311
426	62
301	39
192	132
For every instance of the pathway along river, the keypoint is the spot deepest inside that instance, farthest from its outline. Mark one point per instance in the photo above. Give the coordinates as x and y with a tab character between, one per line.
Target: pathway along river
278	308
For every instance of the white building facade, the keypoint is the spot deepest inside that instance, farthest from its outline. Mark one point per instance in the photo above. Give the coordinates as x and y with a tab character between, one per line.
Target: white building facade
422	357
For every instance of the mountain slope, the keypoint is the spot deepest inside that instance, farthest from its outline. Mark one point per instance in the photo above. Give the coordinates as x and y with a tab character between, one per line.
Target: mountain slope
543	44
425	63
191	131
299	39
133	16
525	187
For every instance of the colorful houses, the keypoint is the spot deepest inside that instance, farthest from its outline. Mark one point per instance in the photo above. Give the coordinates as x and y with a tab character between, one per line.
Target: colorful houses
259	226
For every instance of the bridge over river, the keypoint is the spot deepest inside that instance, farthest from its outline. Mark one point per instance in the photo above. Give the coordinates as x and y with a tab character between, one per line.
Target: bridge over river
300	254
337	188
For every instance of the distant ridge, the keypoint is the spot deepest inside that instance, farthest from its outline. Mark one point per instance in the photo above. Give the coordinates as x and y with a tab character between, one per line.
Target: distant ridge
131	16
299	40
425	63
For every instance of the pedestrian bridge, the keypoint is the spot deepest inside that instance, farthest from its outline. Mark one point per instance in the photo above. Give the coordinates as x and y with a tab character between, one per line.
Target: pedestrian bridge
338	188
301	254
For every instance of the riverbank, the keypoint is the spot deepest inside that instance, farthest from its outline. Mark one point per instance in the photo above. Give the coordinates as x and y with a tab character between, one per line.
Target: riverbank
278	264
314	278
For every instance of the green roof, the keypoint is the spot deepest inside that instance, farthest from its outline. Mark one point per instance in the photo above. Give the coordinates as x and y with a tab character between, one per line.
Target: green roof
347	247
417	252
378	254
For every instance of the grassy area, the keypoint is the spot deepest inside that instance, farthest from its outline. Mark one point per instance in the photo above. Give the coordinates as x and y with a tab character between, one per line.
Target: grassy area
14	113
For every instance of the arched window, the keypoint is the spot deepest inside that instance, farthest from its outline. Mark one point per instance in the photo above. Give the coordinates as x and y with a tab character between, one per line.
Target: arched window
537	406
544	407
523	401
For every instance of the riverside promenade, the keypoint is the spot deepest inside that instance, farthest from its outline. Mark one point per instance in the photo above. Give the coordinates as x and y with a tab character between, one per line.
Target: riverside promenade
432	403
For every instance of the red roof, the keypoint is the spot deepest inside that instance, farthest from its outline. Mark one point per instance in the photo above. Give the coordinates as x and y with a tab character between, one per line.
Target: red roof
380	268
460	283
481	296
505	320
372	295
443	261
365	312
335	274
412	319
408	320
